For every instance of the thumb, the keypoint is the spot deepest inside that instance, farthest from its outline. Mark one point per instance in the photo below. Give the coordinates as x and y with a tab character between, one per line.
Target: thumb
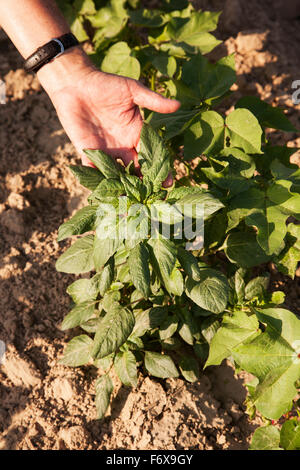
146	98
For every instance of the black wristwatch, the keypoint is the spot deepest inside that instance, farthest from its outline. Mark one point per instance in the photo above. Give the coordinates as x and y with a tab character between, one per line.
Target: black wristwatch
44	54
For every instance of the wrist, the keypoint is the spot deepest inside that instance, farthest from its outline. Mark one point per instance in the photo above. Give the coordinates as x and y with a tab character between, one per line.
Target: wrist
65	70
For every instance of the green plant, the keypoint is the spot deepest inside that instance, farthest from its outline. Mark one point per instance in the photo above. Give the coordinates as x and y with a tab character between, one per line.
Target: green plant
116	29
271	438
135	303
154	303
150	302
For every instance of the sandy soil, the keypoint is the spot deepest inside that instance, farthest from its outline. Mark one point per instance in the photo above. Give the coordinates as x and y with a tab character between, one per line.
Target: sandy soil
44	405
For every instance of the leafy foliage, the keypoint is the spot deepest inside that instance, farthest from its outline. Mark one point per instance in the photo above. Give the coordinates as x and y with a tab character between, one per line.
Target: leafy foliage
156	298
271	438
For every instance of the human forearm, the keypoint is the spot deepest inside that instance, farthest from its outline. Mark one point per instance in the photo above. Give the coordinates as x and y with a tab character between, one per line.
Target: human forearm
32	23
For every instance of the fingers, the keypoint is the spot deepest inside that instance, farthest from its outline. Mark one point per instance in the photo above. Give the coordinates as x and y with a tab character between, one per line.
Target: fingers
146	98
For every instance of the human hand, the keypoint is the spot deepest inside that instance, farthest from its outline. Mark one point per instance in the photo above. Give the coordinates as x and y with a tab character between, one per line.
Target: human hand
101	111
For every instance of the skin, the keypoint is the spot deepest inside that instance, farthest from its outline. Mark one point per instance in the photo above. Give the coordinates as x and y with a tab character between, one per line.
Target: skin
97	110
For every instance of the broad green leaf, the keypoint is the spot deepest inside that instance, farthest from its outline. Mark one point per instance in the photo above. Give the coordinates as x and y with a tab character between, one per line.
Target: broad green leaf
257	287
114	329
174	283
287	261
242	248
163	255
239	161
107	191
161	38
265	438
174	123
203	21
83	290
111	220
79	314
104	388
281	153
139	269
83	221
189	368
78	258
215	230
106	276
138	225
239	284
103	249
243	131
284	322
165	212
160	365
227	179
105	163
267	115
91	325
177	193
211	292
199	204
134	187
185	331
148	320
119	60
290	435
272	357
189	263
267	210
78	351
237	328
193	31
135	343
168	327
243	204
154	157
87	176
287	172
110	300
280	193
271	227
125	365
188	99
205	135
207	80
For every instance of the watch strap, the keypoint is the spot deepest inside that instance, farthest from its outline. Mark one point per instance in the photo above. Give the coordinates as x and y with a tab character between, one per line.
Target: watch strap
49	51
